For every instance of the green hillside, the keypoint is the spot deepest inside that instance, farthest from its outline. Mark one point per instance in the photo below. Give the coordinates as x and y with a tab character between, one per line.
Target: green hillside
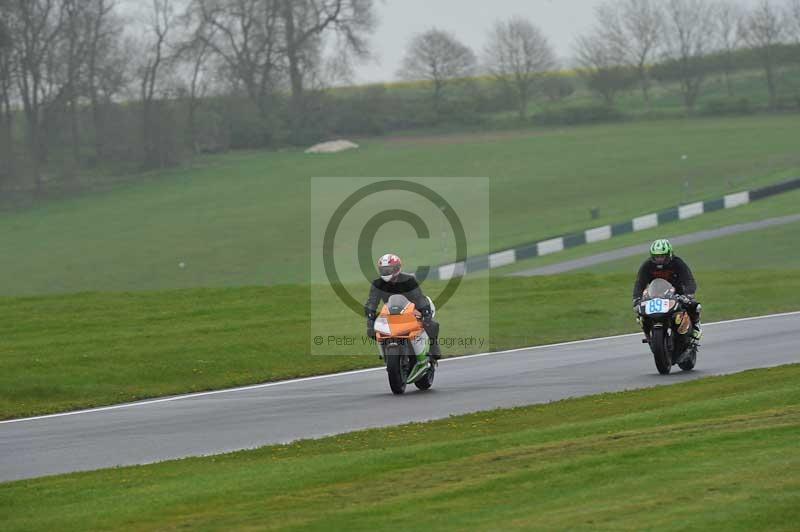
243	218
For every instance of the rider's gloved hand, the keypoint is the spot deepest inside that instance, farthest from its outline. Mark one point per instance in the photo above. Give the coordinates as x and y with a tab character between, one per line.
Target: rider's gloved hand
371	315
427	314
636	301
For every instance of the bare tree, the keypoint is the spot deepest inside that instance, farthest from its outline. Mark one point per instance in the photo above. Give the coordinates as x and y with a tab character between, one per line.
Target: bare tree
632	31
161	21
35	25
764	31
438	57
519	54
196	51
244	34
730	20
689	32
793	15
57	51
102	43
76	30
303	24
5	14
601	69
6	87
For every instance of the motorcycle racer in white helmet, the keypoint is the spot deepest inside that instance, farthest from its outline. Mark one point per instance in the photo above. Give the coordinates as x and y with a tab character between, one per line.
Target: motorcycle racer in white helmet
392	281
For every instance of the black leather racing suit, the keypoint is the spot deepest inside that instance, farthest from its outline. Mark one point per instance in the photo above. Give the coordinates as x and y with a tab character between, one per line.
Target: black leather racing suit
678	273
405	284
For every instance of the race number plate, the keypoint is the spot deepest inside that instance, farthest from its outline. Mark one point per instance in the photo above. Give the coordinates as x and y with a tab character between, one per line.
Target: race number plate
656	306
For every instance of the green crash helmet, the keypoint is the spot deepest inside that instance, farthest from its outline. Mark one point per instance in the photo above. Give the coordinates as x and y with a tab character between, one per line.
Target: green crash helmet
661	252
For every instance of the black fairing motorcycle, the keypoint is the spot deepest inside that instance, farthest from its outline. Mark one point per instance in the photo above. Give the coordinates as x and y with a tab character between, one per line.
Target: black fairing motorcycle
667	326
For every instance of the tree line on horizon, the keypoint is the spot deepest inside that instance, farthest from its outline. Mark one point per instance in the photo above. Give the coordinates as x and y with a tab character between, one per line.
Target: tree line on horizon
91	87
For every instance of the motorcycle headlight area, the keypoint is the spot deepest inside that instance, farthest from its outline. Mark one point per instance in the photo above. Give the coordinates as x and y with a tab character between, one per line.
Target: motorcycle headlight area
382	326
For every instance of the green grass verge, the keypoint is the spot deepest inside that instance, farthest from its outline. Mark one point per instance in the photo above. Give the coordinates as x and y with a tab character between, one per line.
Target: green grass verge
717	453
64	352
777	206
775	247
243	219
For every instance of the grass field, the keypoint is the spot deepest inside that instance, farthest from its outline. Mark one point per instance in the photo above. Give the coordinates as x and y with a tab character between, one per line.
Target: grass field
717	453
71	351
243	219
777	206
774	248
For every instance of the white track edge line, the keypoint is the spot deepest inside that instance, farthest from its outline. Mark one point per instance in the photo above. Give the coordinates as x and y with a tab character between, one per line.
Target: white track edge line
355	372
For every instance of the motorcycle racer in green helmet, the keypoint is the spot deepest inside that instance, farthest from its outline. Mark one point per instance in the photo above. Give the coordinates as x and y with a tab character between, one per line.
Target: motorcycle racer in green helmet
664	264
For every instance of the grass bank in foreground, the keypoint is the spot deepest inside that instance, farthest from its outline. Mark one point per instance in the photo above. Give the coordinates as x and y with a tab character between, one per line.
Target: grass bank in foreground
717	453
66	352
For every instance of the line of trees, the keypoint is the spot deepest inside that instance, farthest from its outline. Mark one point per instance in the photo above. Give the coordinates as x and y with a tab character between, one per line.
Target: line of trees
632	44
109	81
91	86
634	41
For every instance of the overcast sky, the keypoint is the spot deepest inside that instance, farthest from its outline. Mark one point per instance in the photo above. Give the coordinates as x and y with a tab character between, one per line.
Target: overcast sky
469	20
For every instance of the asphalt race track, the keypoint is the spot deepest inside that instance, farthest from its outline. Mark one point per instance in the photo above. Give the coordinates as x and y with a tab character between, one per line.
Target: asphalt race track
227	420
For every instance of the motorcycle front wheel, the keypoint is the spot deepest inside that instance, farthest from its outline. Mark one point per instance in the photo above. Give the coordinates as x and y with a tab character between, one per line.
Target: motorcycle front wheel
658	345
396	369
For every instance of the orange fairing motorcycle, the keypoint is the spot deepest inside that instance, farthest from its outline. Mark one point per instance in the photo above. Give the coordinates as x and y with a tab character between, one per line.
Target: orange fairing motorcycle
404	345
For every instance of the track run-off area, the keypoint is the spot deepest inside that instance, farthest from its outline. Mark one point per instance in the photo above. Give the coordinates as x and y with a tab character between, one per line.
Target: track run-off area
227	420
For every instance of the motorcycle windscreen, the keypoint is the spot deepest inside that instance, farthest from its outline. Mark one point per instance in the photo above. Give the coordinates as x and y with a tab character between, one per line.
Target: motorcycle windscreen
397	304
660	288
